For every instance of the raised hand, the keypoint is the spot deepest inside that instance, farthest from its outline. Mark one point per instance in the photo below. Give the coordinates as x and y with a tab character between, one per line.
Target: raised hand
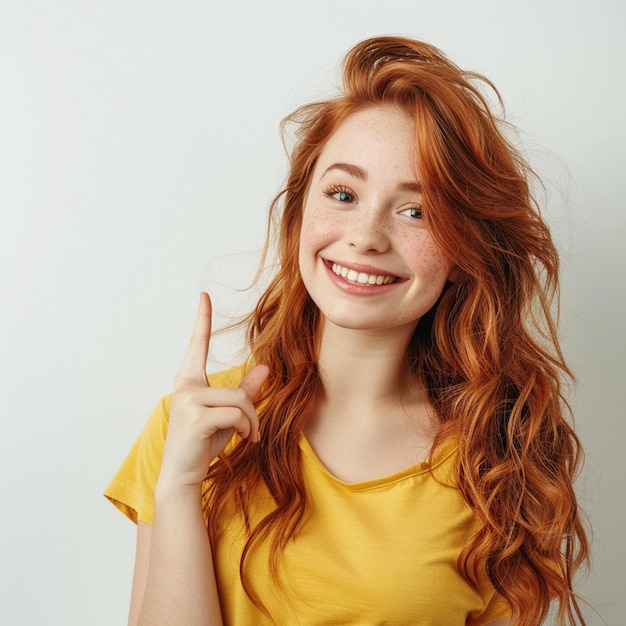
204	418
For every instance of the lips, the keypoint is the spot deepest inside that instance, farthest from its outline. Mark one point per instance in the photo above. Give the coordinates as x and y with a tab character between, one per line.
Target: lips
362	278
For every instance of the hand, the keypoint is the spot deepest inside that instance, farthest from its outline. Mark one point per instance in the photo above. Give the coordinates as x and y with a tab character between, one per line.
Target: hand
202	418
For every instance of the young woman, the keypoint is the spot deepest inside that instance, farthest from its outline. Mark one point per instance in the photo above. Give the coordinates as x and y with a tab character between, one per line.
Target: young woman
396	448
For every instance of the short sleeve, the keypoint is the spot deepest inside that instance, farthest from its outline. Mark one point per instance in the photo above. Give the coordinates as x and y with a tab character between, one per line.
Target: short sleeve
132	488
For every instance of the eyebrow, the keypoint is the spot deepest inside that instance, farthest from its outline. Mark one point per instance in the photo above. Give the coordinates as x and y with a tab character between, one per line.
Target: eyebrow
361	174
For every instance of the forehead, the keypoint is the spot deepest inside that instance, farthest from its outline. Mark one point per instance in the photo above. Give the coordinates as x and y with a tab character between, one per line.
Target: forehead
374	137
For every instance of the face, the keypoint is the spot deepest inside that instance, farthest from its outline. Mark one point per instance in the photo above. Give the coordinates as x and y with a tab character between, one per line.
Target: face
366	257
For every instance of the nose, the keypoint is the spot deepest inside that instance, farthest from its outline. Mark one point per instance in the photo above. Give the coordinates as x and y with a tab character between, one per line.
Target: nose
367	232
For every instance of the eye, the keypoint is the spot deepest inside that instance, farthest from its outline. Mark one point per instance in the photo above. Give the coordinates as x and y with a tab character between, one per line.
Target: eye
414	211
341	194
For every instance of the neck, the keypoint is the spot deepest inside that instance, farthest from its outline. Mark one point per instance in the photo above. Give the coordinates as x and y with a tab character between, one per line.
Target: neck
371	419
359	367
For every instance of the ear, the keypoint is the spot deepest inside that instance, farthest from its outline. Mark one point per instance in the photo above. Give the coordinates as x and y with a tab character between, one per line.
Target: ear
455	274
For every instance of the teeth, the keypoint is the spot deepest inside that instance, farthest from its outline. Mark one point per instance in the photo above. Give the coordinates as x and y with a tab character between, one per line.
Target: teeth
361	278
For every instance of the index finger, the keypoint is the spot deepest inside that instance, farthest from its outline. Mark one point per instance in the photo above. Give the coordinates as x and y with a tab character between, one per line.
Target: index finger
194	361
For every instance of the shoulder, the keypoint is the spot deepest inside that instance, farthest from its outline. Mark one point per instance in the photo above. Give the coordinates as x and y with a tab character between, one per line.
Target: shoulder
132	487
228	378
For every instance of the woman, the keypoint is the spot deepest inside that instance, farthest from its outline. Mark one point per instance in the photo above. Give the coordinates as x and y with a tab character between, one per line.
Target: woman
402	454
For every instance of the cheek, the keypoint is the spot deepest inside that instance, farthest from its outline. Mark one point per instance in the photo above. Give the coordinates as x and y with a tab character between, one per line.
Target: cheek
317	231
427	259
311	236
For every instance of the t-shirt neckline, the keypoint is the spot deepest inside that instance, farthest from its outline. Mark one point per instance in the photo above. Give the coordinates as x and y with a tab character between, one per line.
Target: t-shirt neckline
437	457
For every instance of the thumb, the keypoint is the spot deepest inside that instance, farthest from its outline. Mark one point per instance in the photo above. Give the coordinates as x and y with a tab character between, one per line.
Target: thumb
254	379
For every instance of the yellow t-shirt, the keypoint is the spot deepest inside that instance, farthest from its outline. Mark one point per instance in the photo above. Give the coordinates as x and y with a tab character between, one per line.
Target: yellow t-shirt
378	552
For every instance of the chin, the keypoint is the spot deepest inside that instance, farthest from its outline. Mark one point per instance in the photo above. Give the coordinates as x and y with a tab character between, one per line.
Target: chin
348	321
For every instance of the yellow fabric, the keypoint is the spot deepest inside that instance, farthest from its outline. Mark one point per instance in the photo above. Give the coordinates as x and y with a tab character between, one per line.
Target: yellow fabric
132	488
379	552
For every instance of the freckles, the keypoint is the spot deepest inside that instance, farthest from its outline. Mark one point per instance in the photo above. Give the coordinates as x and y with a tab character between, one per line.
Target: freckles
427	256
317	226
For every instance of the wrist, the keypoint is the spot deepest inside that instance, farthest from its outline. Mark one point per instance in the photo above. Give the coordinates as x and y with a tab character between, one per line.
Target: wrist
171	490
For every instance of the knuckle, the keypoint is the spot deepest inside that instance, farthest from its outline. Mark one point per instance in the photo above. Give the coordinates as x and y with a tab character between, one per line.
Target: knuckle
183	385
182	398
234	414
185	399
240	395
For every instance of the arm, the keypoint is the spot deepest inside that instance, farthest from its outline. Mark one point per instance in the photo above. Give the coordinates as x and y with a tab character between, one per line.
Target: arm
142	555
174	580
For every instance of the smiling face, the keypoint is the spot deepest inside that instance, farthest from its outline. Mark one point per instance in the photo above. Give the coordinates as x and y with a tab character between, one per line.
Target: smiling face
366	257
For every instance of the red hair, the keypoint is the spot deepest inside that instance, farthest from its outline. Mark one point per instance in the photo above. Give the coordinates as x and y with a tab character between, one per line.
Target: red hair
488	352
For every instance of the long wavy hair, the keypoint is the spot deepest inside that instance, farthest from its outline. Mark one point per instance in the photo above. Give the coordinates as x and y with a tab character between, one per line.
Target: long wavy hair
487	353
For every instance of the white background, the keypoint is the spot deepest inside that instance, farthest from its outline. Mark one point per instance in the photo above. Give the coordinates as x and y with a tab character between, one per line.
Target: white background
139	148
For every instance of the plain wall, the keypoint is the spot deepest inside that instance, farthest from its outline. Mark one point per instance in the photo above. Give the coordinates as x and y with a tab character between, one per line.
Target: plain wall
139	149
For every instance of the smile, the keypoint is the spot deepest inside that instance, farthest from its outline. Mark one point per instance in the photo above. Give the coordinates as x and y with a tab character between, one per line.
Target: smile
361	278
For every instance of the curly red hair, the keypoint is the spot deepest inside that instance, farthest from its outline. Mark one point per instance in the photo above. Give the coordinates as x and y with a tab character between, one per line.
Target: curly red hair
488	352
